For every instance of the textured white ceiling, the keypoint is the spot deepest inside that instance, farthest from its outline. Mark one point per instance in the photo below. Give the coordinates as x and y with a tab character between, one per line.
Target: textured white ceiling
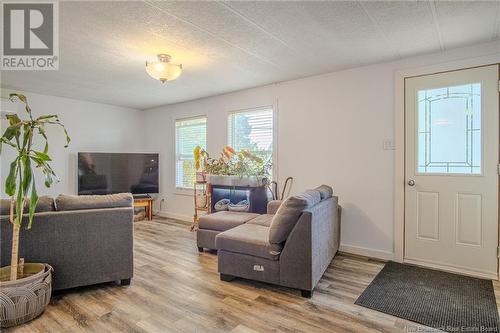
227	46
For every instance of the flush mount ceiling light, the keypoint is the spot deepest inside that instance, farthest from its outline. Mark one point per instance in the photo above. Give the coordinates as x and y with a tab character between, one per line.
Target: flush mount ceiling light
162	69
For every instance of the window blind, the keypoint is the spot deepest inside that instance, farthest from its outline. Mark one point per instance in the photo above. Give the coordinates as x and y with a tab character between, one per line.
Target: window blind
189	133
252	130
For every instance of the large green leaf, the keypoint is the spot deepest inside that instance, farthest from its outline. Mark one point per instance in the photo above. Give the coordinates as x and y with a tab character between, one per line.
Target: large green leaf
33	203
27	172
27	134
12	131
13	119
10	182
42	156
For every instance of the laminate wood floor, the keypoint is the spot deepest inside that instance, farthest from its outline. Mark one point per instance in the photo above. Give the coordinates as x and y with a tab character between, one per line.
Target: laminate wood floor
177	289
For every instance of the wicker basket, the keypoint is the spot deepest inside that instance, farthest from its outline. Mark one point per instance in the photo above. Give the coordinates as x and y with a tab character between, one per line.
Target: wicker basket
201	200
26	298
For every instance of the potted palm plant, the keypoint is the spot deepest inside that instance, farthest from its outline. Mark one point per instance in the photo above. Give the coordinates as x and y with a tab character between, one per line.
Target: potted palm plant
25	288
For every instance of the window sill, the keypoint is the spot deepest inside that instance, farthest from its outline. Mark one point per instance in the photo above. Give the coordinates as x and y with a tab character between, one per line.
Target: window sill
188	192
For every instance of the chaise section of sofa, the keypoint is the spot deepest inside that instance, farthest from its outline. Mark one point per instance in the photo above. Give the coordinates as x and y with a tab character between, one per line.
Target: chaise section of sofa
88	240
209	226
291	247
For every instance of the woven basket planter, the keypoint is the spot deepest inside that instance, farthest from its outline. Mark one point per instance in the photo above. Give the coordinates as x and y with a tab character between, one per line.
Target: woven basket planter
26	298
201	201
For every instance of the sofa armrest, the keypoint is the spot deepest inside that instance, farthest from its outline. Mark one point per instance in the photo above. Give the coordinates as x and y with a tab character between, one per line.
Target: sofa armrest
273	205
311	246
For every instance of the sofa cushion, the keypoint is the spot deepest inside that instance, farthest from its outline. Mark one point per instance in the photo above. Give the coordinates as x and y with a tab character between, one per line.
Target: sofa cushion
222	221
78	202
312	197
264	220
45	204
289	212
325	191
250	239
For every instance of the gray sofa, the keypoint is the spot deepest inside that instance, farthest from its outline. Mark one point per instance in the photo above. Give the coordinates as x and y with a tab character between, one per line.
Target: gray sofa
290	246
86	239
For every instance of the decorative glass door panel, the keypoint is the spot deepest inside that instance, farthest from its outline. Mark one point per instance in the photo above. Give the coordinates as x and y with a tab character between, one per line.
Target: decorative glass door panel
449	130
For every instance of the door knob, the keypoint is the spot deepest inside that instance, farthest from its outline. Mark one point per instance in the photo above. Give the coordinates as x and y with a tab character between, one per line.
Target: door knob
411	182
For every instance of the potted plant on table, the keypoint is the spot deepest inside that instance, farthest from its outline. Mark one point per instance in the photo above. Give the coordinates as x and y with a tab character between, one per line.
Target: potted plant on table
25	288
243	168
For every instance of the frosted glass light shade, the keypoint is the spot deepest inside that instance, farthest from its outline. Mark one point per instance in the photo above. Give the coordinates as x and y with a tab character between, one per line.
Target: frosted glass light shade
162	69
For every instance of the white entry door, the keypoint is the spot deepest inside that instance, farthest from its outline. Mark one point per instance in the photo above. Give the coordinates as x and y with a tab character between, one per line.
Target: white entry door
451	171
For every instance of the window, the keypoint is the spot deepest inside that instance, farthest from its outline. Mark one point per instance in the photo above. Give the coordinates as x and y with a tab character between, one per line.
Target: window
252	130
449	130
189	133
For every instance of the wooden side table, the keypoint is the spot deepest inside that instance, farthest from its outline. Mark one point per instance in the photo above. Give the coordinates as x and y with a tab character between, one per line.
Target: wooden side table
147	203
200	207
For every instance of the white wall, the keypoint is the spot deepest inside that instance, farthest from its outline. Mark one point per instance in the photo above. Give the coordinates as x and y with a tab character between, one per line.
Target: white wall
330	129
91	126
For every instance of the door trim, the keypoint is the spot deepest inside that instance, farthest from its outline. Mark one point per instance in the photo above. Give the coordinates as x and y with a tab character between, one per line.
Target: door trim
399	137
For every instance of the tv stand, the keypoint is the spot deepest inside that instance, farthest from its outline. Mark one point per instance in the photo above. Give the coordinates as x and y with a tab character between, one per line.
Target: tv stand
145	201
141	196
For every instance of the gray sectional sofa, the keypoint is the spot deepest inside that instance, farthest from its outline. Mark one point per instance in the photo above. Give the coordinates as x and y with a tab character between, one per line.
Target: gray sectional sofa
290	246
86	239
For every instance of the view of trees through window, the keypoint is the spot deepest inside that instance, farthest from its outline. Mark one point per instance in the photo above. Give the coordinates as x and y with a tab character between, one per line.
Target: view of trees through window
252	130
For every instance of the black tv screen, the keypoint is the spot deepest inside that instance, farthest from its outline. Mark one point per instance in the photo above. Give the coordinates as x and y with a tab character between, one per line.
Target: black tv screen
106	173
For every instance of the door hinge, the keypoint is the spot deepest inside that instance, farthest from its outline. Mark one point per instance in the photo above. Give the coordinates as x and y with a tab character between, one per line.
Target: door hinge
498	169
499	85
498	252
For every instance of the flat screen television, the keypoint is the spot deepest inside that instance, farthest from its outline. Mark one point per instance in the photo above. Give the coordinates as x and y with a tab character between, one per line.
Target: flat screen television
107	173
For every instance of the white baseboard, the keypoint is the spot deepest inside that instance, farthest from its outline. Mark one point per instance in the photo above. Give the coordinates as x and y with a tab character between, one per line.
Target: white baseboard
366	252
174	216
358	250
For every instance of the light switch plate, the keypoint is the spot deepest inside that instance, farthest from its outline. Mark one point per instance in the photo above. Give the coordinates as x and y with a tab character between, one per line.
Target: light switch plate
388	144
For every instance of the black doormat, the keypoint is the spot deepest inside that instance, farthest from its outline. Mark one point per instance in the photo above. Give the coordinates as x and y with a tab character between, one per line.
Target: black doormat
446	301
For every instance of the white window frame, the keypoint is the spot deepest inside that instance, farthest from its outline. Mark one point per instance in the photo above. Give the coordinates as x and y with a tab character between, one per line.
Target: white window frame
183	190
274	108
